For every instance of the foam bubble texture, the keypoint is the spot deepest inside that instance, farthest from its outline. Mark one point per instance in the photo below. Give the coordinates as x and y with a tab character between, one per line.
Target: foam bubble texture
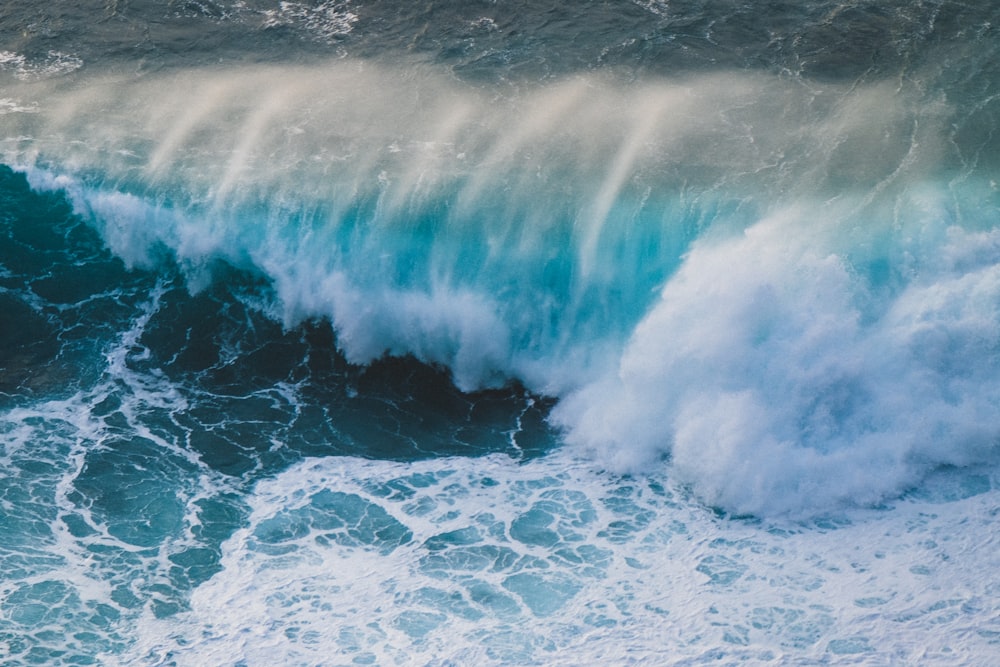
494	562
782	375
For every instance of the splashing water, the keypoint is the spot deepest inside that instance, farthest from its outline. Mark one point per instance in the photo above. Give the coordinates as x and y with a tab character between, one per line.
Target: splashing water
643	333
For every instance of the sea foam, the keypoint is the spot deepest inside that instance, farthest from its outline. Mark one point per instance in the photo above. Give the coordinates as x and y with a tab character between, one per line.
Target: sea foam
780	378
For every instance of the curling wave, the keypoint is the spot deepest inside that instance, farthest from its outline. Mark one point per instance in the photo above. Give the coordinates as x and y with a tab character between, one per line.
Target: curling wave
790	290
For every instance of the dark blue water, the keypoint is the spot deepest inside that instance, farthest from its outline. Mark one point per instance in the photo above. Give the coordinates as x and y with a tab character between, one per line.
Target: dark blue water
519	333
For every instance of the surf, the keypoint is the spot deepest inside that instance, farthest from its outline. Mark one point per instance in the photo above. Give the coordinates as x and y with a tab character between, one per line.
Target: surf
723	261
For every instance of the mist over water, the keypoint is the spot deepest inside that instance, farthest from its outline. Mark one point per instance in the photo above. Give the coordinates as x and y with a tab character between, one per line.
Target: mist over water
515	333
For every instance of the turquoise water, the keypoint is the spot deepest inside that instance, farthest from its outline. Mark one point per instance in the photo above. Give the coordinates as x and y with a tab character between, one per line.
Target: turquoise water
641	333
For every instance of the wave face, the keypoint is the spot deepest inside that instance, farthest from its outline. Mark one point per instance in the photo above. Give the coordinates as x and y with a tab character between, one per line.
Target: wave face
498	333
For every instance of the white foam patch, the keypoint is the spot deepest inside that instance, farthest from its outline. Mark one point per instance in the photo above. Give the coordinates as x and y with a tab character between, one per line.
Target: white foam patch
494	562
54	63
780	380
102	504
326	21
453	327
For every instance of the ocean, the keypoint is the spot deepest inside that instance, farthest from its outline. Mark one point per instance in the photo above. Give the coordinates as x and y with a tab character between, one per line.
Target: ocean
630	332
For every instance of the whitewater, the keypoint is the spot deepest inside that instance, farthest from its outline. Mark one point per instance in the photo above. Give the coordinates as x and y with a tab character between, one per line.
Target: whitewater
641	333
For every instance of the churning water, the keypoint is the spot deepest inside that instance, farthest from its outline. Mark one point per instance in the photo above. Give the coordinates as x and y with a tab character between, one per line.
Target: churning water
508	333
